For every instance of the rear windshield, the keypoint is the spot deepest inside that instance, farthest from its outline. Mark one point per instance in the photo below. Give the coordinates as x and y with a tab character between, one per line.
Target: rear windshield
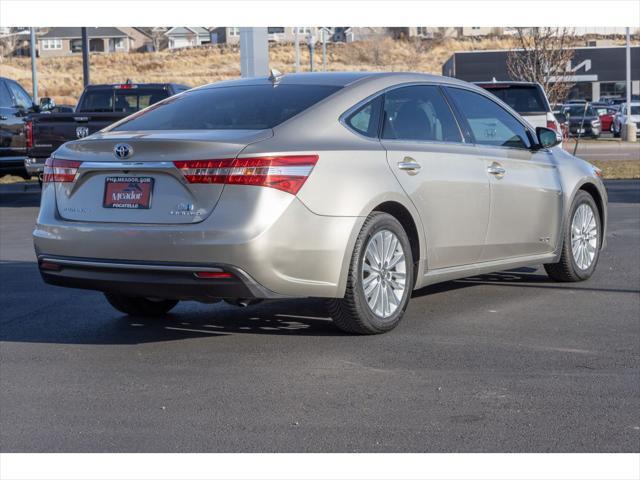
121	100
522	98
247	107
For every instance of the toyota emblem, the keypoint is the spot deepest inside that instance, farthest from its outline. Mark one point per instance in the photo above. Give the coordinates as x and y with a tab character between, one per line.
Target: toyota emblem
122	150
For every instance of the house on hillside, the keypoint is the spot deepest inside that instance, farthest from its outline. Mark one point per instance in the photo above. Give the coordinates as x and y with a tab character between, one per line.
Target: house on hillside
140	39
183	37
231	35
64	41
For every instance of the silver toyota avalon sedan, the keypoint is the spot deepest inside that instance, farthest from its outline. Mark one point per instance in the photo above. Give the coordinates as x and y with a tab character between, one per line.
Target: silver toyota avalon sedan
354	187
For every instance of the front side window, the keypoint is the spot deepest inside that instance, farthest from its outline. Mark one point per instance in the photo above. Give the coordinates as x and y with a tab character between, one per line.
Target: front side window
366	119
490	124
419	113
247	107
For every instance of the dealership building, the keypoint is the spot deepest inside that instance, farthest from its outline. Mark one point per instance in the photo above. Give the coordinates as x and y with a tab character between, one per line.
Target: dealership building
595	71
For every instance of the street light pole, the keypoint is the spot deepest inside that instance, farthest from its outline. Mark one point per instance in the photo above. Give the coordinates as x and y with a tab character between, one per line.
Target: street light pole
85	57
311	43
628	75
324	48
629	130
34	68
297	43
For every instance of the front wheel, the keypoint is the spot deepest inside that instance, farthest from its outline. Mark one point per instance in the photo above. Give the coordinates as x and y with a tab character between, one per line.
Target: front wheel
581	242
380	279
140	306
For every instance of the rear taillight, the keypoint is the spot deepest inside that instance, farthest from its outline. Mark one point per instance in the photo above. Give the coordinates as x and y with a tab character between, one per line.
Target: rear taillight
56	170
28	133
213	275
287	173
552	125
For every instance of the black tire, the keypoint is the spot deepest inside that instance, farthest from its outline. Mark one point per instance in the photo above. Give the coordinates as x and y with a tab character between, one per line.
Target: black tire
567	270
352	313
139	306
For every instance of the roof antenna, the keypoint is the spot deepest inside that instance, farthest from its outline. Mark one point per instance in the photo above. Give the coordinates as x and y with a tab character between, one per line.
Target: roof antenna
275	76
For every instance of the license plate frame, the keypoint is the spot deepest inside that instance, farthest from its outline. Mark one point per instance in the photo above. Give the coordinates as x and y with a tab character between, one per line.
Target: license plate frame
135	192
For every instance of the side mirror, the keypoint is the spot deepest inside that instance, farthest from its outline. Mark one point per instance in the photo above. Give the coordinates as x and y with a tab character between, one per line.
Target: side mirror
46	104
561	117
548	138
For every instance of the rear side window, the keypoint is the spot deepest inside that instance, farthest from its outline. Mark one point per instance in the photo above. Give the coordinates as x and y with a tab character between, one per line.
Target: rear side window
524	99
419	113
366	119
490	124
249	107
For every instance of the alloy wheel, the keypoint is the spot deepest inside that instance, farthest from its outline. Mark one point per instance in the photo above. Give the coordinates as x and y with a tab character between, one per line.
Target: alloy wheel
384	273
584	236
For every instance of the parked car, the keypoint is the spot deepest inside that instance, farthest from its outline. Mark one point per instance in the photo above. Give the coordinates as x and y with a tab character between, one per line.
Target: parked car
605	113
98	107
15	105
526	98
620	118
582	120
355	187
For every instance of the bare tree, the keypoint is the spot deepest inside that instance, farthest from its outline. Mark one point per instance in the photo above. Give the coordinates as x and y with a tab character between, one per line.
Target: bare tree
8	42
543	55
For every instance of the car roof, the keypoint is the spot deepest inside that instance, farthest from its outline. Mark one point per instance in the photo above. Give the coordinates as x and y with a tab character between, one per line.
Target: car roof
338	79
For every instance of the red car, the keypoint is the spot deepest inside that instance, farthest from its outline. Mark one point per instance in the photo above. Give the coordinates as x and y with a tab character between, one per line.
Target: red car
606	114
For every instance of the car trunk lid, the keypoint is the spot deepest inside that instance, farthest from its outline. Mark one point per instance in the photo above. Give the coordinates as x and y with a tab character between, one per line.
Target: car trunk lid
131	177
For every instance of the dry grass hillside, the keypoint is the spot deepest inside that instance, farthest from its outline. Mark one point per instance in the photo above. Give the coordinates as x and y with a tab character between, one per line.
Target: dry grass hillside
61	77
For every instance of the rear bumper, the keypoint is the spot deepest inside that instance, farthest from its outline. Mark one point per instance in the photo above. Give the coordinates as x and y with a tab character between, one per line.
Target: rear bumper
176	282
267	235
34	166
12	166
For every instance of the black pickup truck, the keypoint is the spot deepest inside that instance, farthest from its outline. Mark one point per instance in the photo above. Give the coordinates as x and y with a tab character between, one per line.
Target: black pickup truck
98	107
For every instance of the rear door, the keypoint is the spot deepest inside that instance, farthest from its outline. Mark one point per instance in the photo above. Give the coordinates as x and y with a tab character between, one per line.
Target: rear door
526	195
443	176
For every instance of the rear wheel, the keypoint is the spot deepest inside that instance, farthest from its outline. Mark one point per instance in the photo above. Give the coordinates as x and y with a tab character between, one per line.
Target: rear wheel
581	242
140	306
380	279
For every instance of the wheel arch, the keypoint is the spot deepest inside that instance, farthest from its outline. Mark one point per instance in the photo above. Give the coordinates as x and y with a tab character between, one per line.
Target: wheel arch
403	215
593	190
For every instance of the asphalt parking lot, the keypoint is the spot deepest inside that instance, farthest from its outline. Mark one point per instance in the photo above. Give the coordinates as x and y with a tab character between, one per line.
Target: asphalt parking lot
503	362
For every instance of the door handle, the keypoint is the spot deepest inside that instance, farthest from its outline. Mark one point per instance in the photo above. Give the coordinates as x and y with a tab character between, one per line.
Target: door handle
409	165
496	169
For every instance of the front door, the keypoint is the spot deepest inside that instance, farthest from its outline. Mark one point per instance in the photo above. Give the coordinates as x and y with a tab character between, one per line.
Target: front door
443	176
526	195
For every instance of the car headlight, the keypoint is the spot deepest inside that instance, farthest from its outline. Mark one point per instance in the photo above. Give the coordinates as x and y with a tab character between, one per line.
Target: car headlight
595	123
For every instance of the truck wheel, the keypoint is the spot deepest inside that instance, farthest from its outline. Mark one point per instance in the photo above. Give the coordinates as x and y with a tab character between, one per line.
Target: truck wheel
380	279
140	306
581	242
